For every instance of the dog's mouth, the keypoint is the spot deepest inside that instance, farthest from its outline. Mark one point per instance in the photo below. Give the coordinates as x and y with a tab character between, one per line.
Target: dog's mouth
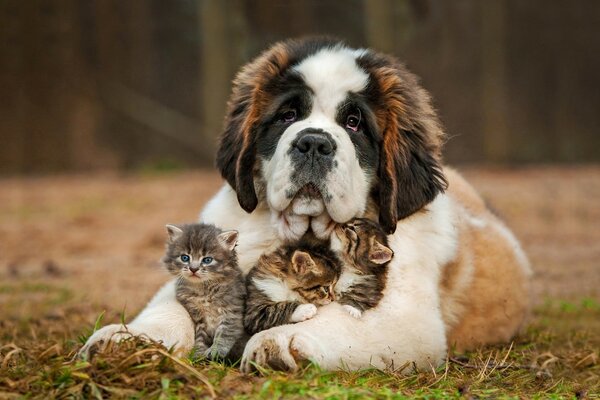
309	190
308	201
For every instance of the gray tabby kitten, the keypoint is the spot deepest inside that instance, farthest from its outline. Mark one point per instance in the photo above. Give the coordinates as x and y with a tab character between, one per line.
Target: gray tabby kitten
363	248
210	285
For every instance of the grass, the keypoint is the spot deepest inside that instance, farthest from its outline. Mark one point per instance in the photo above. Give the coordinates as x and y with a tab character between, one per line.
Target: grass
557	357
72	246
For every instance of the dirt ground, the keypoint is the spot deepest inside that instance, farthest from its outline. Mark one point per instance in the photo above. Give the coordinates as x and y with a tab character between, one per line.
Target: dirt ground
72	247
99	237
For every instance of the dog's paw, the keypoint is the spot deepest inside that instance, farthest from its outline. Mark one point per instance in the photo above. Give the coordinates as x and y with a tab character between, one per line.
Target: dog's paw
355	312
101	338
278	349
303	312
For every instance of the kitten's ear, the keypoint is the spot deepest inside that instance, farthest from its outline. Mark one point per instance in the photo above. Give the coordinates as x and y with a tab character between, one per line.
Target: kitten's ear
174	232
302	262
228	239
379	254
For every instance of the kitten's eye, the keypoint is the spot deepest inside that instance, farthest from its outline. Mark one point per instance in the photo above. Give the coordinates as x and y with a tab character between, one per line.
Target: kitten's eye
325	290
185	258
207	260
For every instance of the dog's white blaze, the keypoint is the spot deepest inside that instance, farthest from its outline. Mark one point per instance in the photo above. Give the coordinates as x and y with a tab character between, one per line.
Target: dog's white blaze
331	74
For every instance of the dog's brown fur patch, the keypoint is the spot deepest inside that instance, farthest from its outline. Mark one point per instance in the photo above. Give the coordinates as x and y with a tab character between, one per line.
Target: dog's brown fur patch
485	290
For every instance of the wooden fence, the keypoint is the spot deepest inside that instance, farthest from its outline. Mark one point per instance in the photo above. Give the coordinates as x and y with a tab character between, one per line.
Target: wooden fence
128	84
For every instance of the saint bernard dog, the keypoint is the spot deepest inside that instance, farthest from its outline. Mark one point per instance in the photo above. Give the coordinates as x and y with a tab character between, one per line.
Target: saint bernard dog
318	133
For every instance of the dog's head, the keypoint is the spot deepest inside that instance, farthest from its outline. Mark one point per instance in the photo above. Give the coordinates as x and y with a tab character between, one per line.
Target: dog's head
315	127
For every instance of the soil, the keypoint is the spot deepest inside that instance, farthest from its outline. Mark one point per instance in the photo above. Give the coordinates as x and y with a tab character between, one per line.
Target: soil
96	239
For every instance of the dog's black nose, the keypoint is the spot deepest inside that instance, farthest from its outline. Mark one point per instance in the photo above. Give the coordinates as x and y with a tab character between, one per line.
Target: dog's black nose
315	143
193	269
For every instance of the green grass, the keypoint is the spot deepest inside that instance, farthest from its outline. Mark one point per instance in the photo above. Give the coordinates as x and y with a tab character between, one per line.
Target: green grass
557	357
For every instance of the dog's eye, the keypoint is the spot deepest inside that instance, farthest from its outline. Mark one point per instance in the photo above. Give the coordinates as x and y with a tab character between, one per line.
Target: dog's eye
353	122
289	116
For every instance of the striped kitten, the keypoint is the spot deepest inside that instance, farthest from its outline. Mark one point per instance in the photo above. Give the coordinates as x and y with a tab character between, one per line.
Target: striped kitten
287	285
363	248
210	285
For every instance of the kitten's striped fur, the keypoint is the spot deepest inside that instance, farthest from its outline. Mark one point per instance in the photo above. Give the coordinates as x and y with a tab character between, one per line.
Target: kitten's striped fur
286	285
214	293
363	247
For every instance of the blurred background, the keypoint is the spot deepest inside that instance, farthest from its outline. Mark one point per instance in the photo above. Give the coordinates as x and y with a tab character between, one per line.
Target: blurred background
111	84
110	111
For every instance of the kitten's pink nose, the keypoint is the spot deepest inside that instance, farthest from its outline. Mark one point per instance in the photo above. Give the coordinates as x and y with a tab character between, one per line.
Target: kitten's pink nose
193	270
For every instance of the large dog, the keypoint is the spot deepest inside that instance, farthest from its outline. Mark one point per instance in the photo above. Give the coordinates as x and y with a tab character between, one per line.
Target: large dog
318	133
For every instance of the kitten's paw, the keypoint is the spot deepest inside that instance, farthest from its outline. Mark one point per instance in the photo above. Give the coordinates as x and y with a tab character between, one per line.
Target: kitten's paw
215	353
209	353
355	312
303	312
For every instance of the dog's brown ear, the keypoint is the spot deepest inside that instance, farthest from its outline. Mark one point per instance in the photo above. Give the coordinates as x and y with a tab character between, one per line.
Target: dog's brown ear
410	172
236	154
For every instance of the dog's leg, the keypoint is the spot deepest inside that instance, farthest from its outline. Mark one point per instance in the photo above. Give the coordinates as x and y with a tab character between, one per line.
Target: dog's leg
333	339
163	320
405	330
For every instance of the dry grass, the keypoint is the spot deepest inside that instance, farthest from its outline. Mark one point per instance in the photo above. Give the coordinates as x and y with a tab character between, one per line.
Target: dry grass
71	247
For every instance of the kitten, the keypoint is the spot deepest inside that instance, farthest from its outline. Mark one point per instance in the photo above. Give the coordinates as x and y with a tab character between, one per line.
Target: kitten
363	248
210	285
287	285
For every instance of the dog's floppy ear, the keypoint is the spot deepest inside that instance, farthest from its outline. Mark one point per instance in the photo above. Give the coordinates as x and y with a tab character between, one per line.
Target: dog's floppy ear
410	172
236	154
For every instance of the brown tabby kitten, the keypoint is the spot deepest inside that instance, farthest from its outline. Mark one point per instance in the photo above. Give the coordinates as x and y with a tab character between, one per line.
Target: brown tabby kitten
210	285
363	247
287	285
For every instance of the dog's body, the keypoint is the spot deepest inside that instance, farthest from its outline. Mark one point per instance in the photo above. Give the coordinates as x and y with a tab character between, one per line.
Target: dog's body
316	134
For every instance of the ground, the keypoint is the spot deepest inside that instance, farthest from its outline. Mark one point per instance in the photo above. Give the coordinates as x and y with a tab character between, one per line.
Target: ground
80	251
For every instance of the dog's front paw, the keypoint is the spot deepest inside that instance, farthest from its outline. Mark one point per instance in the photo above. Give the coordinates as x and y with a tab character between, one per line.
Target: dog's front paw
279	349
355	312
303	312
101	338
